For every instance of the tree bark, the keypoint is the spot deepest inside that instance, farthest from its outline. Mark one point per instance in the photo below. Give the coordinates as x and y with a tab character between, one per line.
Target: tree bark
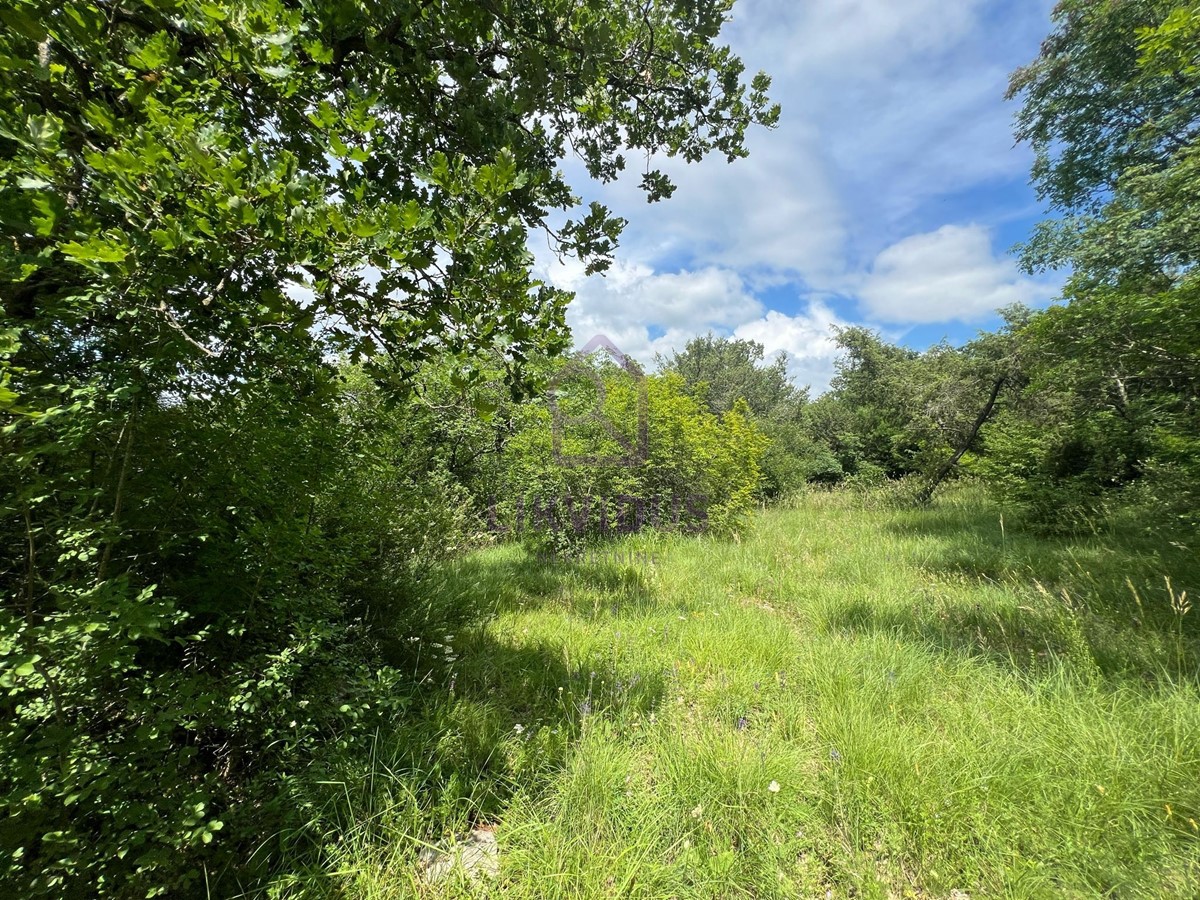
984	414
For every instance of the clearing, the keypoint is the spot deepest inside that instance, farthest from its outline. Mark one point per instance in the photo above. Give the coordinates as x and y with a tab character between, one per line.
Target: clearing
855	700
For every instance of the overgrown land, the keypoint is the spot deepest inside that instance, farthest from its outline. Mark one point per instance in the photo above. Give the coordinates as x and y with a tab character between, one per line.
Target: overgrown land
855	698
318	548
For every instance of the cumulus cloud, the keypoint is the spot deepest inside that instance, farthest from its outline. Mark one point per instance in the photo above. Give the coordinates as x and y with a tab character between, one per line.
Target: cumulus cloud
860	38
888	107
893	125
645	312
807	338
943	275
777	212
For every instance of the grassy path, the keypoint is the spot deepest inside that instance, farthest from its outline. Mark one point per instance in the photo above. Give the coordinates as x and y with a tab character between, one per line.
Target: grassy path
850	702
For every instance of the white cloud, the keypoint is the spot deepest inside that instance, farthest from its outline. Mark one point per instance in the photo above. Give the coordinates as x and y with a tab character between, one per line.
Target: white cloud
807	338
893	124
776	212
631	302
946	274
630	292
861	38
888	106
645	314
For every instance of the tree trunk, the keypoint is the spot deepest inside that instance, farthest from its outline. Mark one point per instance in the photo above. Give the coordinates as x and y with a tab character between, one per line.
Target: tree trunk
984	414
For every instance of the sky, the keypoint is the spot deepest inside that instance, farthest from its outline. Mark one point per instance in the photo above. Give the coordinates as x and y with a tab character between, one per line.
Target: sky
890	195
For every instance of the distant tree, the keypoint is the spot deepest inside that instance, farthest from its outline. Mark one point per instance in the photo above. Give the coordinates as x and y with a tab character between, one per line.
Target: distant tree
894	411
723	370
874	387
960	390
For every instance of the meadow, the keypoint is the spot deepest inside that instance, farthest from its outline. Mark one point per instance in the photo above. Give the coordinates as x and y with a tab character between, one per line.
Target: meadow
854	699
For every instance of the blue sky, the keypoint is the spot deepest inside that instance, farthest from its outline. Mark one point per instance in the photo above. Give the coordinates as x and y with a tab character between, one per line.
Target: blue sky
890	194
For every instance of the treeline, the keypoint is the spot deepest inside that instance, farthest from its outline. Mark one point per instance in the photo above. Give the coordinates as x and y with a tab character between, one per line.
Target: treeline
1095	402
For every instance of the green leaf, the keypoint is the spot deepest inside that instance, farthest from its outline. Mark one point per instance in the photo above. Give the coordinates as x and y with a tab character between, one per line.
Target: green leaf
94	250
25	25
155	54
44	131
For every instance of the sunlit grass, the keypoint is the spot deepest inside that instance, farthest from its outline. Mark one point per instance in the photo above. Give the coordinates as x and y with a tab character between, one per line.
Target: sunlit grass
855	699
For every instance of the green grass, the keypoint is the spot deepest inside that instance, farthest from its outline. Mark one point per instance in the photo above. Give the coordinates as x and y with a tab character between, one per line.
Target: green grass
942	703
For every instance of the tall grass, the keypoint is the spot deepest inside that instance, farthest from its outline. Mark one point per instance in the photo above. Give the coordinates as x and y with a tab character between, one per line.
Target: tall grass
856	700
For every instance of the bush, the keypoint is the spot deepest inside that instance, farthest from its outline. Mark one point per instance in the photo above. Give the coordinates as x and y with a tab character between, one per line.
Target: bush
1063	479
794	459
700	471
179	674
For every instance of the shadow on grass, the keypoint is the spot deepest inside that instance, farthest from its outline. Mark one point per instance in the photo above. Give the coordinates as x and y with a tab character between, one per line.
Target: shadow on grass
597	579
503	719
489	718
1113	600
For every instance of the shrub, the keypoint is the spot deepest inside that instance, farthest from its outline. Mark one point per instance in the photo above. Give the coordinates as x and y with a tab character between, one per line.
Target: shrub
171	670
701	471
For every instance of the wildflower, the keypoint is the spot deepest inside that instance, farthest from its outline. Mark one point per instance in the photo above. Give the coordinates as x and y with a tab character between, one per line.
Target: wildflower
698	811
834	755
773	787
518	728
742	723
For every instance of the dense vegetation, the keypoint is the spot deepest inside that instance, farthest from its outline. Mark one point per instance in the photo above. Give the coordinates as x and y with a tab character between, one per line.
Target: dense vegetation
275	366
214	538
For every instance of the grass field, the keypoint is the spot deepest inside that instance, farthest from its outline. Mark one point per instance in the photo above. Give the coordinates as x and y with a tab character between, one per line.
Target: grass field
852	701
